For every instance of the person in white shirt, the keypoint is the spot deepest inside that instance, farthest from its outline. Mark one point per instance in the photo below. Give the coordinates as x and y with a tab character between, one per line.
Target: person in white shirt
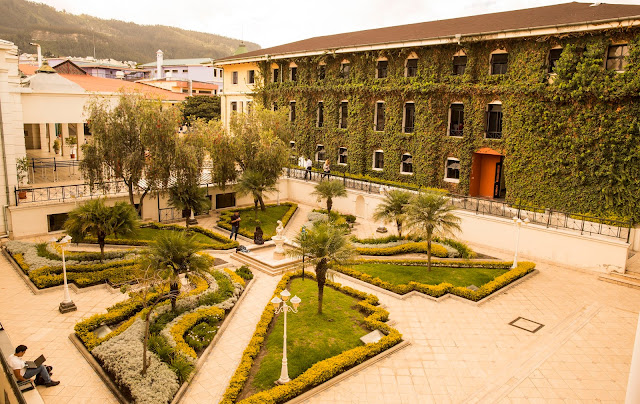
21	372
309	166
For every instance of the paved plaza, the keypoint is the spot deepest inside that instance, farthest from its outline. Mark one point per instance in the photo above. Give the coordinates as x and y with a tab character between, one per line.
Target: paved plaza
459	352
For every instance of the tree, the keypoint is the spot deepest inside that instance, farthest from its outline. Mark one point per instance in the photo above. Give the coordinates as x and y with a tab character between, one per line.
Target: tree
134	142
256	184
174	253
205	107
393	208
325	245
220	148
94	218
329	190
431	213
191	198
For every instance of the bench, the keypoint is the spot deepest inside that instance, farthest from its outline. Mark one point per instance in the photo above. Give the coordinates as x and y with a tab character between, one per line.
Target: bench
29	392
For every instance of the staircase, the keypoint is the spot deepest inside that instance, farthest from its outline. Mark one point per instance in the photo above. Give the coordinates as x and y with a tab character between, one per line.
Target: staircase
631	277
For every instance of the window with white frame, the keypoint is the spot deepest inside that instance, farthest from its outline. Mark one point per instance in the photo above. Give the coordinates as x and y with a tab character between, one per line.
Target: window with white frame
320	153
344	114
554	56
320	119
276	75
345	68
234	77
293	73
617	57
456	120
382	69
411	68
251	77
292	111
378	160
292	145
234	106
342	156
499	63
379	118
452	170
406	164
459	65
494	121
409	117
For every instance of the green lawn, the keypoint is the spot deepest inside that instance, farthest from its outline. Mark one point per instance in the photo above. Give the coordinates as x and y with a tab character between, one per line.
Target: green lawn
403	274
268	219
150	234
311	338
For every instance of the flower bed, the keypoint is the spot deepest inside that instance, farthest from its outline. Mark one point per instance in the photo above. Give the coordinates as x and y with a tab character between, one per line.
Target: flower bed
485	290
411	247
461	249
225	220
321	371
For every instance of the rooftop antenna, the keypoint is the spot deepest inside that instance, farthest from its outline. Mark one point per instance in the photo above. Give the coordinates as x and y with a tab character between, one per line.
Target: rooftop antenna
94	42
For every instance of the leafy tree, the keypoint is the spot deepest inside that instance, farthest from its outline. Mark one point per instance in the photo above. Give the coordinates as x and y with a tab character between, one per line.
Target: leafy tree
256	184
94	218
325	245
135	142
393	208
205	107
219	146
329	190
174	253
189	197
431	213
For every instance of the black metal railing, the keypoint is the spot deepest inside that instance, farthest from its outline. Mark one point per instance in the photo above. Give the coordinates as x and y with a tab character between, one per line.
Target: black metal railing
589	225
63	193
455	132
494	135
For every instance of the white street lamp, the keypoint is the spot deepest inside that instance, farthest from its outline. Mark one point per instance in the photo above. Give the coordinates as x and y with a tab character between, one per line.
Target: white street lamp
67	304
280	306
519	222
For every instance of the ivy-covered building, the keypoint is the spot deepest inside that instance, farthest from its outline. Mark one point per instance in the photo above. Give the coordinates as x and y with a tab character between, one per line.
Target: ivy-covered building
539	106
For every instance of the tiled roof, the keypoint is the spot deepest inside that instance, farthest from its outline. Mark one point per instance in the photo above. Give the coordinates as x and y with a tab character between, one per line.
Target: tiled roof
28	70
99	84
539	17
179	62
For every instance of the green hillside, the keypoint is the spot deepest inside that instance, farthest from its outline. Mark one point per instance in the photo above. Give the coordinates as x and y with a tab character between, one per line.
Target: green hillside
64	34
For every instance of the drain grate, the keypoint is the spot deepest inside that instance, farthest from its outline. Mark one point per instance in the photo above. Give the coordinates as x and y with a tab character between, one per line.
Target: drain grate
526	324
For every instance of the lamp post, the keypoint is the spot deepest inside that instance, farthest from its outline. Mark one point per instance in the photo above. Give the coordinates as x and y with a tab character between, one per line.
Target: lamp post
519	222
303	237
67	304
280	306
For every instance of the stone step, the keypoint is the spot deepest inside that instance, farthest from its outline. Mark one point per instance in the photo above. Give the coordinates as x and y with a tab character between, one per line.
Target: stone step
627	275
620	279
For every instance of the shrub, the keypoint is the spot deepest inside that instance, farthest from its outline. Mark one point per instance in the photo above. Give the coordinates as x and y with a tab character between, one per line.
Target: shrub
201	335
321	371
245	273
185	323
376	240
45	250
419	247
462	248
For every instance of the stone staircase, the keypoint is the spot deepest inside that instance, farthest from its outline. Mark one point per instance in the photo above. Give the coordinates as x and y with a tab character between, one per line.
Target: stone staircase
630	278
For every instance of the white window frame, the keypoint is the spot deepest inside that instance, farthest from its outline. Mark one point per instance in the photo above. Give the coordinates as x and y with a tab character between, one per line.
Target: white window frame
446	165
402	162
318	114
449	120
292	144
498	52
340	114
318	151
373	163
291	110
404	116
375	116
249	81
606	56
551	73
346	155
234	77
378	70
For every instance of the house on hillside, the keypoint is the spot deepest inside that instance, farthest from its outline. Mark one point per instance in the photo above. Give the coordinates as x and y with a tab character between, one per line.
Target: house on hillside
196	69
537	107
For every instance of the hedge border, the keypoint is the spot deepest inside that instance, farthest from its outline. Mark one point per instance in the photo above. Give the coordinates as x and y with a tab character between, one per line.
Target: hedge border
407	248
321	371
225	215
442	289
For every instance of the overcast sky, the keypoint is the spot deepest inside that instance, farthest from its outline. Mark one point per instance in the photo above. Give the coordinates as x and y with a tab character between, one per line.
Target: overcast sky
273	23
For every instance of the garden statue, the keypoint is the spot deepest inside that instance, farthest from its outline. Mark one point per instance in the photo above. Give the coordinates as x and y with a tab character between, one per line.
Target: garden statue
280	229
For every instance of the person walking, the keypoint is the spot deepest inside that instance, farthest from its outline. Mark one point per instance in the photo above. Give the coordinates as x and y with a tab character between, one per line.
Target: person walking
235	225
309	166
326	168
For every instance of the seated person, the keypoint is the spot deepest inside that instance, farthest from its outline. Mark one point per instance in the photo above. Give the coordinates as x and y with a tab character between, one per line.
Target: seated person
22	373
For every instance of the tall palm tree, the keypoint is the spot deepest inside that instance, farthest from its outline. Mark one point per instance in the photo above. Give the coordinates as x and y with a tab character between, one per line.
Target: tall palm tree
256	183
172	254
429	213
94	218
189	197
324	245
393	208
329	190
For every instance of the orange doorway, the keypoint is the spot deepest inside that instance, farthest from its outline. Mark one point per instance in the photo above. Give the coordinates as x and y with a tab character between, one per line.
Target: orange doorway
486	174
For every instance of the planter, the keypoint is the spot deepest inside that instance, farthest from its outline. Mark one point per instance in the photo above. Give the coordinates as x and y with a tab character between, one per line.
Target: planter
72	155
22	194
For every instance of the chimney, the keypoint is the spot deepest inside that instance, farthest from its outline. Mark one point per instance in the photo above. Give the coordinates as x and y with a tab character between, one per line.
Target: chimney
159	60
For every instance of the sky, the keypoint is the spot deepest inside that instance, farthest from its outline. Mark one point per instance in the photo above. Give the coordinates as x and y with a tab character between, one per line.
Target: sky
274	23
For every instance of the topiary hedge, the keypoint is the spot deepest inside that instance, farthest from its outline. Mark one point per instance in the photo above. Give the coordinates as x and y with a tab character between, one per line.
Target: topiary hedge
418	247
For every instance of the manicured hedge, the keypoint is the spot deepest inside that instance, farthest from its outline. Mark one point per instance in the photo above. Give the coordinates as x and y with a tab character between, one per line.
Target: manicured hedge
419	247
225	219
485	290
187	322
321	371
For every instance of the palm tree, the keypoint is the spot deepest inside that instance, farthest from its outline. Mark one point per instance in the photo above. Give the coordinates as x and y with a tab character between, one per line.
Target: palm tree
430	213
329	190
256	183
94	218
393	208
189	197
172	254
324	245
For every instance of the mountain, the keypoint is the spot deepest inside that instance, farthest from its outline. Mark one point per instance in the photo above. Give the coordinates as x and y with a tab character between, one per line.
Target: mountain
63	34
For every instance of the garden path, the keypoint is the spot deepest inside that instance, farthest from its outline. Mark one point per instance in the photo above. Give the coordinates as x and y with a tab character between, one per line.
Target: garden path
212	379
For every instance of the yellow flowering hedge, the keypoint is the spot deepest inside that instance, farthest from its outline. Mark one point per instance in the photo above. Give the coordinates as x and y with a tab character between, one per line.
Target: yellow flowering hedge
235	278
442	289
321	371
187	322
419	247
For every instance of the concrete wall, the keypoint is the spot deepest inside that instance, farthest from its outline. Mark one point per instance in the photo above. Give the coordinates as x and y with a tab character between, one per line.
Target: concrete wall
240	92
537	243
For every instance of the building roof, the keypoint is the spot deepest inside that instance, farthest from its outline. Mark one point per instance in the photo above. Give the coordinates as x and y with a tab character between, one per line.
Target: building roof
531	18
27	70
180	62
103	85
53	83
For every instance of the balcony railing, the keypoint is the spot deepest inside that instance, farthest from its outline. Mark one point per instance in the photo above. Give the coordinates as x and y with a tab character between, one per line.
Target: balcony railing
494	135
